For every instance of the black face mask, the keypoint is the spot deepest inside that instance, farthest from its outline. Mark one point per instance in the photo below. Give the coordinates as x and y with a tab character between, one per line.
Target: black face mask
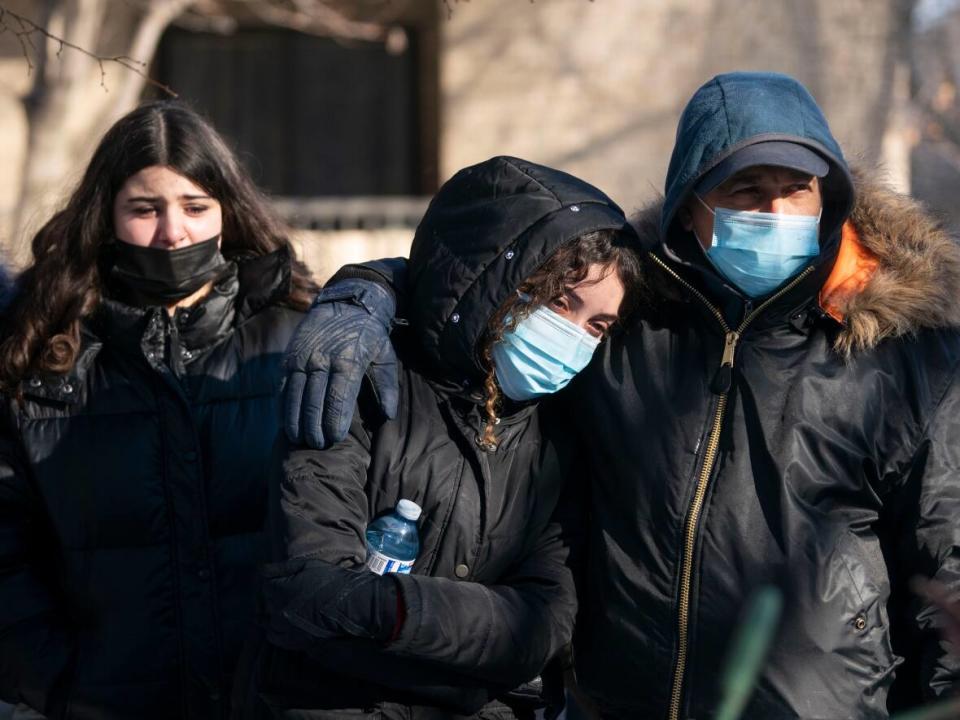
154	276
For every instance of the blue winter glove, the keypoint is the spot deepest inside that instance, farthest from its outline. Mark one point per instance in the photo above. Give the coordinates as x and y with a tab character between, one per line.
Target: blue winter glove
345	335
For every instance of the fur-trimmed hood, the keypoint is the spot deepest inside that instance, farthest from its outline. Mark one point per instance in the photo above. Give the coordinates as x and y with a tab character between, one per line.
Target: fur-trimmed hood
902	269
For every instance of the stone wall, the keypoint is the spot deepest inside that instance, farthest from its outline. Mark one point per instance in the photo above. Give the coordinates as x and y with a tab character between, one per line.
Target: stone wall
325	252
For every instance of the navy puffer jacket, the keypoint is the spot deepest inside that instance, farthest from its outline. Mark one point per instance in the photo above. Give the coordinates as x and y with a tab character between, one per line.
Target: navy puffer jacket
132	501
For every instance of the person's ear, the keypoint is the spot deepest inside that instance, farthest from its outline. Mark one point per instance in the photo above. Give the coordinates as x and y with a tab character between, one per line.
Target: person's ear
685	216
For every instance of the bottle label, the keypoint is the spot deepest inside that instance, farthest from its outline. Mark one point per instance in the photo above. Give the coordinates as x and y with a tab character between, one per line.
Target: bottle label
382	564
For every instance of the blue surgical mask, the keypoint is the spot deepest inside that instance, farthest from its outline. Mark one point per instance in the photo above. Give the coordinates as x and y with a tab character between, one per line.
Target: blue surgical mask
758	251
541	355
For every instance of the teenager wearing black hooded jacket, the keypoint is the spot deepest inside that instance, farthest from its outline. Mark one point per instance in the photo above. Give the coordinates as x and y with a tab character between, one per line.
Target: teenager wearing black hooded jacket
490	599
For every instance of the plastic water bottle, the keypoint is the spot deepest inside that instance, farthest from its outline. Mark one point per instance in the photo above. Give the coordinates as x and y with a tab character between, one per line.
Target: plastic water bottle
392	540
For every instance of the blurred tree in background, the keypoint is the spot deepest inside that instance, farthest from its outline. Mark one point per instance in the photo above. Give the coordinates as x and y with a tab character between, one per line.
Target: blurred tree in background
82	85
593	87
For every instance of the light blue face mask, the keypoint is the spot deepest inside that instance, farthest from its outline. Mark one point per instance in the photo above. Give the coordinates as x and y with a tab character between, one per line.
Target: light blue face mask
541	355
758	251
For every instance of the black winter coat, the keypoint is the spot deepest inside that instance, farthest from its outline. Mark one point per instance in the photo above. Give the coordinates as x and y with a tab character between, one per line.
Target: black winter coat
490	599
132	502
739	443
827	463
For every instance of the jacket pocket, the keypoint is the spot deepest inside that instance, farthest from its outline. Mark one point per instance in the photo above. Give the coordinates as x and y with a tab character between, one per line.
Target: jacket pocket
867	623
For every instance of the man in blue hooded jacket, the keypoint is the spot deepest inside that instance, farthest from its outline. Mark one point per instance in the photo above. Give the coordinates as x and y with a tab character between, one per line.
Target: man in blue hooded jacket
785	410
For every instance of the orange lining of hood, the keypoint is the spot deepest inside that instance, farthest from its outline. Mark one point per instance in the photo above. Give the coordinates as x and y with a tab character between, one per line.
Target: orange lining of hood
852	271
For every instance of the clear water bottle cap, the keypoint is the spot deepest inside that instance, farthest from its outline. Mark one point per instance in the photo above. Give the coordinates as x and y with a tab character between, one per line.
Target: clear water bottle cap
408	510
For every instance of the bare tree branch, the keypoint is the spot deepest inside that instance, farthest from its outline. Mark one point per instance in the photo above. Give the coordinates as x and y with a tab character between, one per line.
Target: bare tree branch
196	21
313	17
448	4
143	44
26	29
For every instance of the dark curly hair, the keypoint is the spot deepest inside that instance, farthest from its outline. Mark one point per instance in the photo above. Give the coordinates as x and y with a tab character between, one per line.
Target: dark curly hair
62	286
567	267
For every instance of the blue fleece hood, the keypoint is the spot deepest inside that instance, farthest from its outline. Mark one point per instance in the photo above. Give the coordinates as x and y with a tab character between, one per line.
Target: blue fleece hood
738	109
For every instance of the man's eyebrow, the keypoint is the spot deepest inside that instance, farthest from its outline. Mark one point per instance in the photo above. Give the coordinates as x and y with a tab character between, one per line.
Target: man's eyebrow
739	178
751	176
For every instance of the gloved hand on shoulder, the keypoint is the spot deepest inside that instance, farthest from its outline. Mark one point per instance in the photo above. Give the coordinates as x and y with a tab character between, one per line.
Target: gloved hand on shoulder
345	335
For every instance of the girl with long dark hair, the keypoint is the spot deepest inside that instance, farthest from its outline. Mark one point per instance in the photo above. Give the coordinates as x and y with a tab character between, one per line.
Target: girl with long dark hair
140	366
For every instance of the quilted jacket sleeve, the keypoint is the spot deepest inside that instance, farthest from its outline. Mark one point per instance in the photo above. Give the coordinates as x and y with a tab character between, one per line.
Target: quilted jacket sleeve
35	645
318	506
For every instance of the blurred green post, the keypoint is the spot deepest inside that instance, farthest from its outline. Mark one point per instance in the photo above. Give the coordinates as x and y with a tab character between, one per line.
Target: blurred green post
750	645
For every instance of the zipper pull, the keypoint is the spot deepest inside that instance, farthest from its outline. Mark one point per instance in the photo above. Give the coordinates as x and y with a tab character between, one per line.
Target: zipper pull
724	377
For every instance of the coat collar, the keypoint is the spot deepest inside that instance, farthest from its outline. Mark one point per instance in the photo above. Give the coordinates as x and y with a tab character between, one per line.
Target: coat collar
905	274
246	287
145	330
